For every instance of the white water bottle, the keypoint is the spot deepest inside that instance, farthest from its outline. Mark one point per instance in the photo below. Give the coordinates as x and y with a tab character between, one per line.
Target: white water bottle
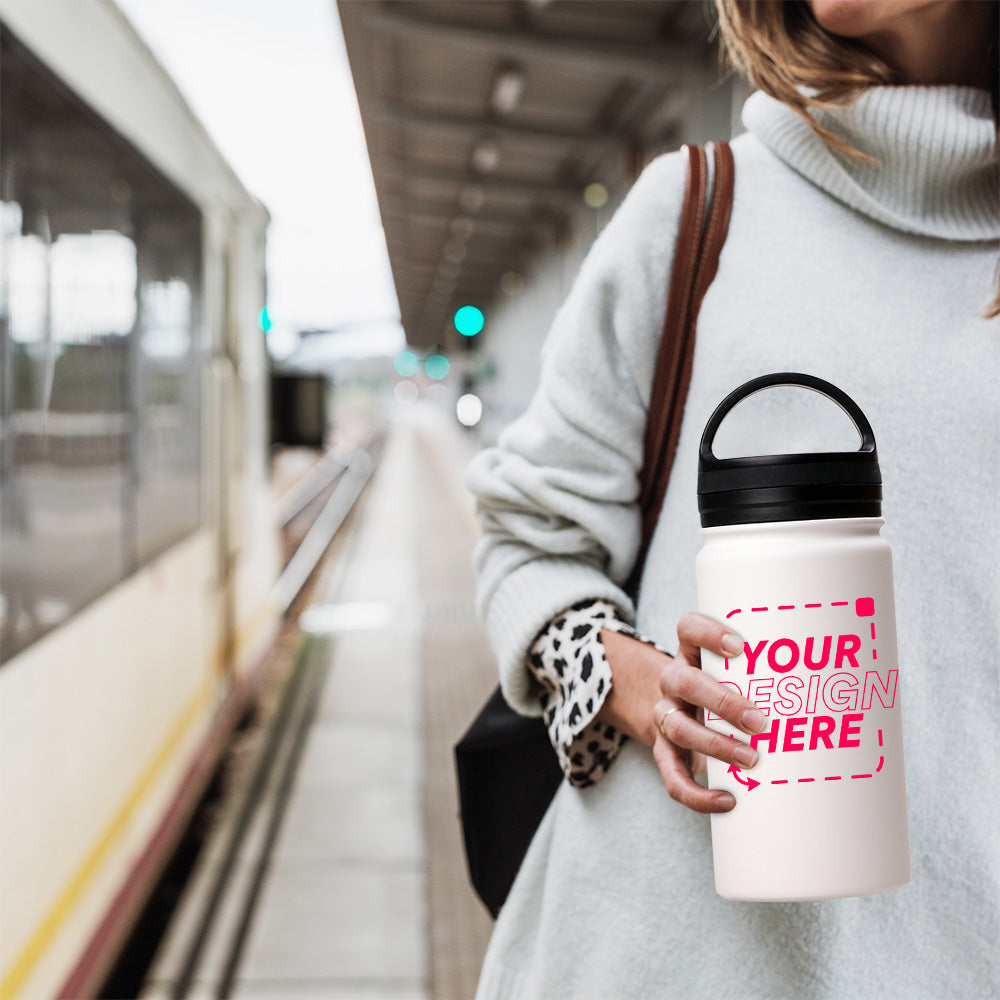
793	562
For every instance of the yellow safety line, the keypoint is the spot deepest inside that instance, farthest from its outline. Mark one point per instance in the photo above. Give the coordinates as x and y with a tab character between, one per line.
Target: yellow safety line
75	888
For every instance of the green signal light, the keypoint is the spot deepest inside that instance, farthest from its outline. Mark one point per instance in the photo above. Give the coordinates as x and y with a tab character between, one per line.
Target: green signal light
469	321
437	367
406	364
596	195
264	320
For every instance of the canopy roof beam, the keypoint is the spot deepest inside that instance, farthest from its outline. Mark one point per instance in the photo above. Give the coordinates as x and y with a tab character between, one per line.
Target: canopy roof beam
653	61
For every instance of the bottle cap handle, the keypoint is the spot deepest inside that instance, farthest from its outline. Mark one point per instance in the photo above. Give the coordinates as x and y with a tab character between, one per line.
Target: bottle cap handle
756	385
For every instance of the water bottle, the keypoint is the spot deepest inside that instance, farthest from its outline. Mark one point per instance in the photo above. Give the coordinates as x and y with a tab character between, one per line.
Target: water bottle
792	560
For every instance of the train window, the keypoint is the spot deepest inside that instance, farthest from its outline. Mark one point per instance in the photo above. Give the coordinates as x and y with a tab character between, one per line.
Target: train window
100	400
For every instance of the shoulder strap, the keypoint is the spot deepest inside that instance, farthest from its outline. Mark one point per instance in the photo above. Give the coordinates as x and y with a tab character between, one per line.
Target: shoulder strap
696	260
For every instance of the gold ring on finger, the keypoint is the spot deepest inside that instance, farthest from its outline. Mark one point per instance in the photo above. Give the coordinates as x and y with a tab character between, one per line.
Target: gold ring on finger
663	718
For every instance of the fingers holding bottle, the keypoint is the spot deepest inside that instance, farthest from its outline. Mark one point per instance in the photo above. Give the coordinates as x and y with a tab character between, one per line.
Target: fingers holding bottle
687	695
683	680
674	764
684	731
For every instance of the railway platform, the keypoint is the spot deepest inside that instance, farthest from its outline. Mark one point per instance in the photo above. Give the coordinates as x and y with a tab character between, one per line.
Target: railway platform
341	871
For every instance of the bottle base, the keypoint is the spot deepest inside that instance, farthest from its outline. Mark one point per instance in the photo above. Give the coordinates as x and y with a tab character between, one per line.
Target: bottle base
743	897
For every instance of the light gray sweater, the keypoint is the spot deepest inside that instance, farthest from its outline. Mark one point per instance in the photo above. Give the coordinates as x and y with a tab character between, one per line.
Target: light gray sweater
874	278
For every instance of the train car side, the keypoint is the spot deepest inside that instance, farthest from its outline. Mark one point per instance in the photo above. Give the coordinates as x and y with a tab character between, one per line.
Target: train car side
112	710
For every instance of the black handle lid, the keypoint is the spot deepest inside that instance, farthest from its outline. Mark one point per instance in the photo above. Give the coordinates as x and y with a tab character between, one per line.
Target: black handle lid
799	487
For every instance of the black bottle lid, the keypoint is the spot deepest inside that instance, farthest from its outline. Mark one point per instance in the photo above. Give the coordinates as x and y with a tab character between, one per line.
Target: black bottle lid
800	487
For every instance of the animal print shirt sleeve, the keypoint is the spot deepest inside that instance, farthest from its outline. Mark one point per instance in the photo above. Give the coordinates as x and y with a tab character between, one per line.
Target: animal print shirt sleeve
567	659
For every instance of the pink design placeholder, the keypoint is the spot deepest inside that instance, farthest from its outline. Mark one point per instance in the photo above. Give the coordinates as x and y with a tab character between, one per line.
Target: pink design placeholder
817	691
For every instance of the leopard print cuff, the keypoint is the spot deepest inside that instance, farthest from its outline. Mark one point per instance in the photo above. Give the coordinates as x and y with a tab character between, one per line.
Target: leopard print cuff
568	661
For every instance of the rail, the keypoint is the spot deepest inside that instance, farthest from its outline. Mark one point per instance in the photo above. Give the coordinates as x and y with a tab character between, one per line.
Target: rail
350	482
201	952
321	477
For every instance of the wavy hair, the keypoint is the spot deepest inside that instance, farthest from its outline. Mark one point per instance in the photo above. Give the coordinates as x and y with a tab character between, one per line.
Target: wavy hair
782	50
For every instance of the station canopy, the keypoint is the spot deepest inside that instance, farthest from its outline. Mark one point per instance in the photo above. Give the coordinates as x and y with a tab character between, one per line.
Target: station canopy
491	124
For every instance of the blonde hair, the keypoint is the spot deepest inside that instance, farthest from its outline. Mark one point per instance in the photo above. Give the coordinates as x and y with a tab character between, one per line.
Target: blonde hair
781	49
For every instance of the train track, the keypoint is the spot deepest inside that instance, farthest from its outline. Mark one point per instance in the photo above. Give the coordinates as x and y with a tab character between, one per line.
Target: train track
233	832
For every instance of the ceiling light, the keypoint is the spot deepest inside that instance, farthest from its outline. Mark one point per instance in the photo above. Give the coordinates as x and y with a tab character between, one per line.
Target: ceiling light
471	198
595	195
486	155
454	250
507	89
511	283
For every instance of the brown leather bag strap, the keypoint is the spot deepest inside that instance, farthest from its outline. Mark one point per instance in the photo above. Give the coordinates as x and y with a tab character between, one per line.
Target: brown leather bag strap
700	238
666	381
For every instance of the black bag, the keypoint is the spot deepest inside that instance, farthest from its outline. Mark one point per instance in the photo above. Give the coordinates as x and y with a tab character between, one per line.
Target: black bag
507	776
507	770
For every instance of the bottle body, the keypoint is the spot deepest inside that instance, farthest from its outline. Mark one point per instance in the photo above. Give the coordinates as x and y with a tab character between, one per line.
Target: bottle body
823	814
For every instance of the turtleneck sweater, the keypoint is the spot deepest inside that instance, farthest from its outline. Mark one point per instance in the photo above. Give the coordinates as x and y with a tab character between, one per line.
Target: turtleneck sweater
874	276
934	151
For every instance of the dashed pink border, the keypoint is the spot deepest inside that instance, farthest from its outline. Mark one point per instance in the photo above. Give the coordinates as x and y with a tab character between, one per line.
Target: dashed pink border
833	604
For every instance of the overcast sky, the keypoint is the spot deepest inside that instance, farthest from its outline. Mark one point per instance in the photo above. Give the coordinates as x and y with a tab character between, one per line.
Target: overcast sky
271	82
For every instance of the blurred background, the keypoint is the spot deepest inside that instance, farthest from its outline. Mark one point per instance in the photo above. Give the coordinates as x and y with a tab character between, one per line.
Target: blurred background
270	273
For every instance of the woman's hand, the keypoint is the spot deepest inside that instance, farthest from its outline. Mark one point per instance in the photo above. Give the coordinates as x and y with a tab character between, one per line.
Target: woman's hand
650	688
686	691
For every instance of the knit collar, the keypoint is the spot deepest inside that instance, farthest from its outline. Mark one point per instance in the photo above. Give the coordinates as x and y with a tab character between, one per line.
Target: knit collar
937	147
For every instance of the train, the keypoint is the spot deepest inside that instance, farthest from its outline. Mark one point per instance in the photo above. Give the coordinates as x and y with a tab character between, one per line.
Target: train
139	545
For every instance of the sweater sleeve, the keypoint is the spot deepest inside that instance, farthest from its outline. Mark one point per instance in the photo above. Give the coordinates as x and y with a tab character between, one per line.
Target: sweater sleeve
557	496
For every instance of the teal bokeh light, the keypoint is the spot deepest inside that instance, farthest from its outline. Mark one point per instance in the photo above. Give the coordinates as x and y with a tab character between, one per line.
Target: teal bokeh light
437	366
469	321
264	319
406	364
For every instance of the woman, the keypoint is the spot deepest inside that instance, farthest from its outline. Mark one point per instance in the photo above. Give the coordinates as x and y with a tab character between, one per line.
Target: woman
876	272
